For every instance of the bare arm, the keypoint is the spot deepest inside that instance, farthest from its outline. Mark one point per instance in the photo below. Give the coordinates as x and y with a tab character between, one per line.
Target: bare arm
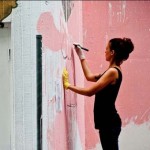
108	78
87	72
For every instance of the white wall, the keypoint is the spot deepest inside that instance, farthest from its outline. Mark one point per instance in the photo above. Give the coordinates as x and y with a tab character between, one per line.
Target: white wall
24	19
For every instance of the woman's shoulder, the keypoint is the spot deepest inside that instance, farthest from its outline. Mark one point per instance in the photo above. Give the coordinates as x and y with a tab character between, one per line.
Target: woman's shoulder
114	72
115	69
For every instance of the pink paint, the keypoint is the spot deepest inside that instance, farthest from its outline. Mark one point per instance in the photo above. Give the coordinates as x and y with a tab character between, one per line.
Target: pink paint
128	19
52	37
75	31
64	126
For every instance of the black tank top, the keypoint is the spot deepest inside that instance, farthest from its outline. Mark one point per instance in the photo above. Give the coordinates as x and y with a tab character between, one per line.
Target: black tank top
105	113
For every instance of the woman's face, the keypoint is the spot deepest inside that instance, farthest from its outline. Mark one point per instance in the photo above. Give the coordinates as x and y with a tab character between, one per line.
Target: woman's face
109	53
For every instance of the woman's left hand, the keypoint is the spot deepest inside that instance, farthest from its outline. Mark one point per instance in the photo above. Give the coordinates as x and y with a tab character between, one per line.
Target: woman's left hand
65	76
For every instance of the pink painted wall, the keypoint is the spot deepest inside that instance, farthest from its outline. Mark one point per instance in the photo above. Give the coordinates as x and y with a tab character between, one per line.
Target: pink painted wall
103	20
93	23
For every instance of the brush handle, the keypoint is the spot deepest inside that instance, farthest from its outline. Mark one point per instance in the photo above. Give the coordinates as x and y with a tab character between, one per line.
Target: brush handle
81	47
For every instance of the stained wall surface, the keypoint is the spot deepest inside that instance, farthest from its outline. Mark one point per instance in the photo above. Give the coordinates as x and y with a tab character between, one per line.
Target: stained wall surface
63	111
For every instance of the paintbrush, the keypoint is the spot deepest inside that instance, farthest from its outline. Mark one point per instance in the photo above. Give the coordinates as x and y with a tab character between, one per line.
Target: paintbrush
78	45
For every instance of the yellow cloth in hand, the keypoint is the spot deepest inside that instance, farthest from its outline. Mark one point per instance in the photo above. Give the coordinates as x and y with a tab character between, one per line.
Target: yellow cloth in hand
65	76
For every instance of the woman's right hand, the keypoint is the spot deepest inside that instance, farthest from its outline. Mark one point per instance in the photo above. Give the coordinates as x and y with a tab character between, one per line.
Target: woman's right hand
79	51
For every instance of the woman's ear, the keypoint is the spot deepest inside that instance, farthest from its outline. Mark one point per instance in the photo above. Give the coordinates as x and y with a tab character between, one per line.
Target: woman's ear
112	52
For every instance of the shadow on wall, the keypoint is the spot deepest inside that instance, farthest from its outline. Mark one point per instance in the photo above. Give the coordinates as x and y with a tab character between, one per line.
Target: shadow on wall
67	7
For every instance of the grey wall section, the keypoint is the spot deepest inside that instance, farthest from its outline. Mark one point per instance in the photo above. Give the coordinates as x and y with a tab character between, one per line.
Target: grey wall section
5	90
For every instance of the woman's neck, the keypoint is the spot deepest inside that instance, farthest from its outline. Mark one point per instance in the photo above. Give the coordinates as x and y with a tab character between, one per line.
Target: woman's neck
114	65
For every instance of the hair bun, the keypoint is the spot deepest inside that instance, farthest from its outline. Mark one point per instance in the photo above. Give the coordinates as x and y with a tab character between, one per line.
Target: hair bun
128	45
122	47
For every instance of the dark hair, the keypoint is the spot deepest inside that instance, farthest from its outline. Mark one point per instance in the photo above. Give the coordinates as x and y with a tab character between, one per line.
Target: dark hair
122	47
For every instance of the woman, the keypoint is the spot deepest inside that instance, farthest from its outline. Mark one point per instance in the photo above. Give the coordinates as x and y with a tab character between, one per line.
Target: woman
105	89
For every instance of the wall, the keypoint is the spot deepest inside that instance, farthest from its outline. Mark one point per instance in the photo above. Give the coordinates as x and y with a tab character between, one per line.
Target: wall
68	119
5	84
23	36
60	24
103	20
63	114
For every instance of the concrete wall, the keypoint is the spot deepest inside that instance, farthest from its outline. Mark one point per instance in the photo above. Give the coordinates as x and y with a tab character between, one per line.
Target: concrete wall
67	117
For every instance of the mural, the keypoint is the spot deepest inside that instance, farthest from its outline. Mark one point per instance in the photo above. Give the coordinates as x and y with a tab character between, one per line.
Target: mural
61	110
6	8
